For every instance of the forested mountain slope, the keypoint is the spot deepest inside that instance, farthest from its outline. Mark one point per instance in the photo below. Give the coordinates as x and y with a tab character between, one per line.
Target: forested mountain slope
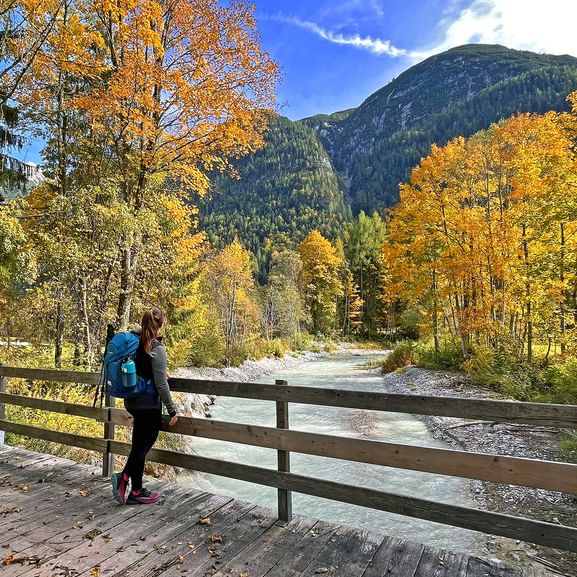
316	171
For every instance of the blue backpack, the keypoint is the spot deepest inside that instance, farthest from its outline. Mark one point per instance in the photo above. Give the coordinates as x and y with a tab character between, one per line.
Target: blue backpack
119	371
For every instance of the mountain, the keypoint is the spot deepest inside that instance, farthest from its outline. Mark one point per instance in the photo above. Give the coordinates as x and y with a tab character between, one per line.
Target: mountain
313	170
283	191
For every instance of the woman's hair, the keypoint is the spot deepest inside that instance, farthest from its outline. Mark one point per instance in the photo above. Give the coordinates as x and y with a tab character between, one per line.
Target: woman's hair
152	322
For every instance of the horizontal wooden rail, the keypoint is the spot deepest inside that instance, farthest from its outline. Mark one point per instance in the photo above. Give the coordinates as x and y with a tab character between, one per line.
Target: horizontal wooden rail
545	414
537	532
51	375
549	475
89	443
98	413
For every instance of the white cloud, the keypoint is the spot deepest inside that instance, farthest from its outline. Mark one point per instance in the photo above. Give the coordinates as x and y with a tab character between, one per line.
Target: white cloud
374	45
536	25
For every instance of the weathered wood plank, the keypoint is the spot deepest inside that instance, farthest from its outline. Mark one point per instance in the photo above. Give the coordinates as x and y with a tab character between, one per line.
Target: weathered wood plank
51	375
39	507
550	475
88	443
441	563
134	537
3	387
538	532
294	562
160	546
480	568
83	554
210	555
98	413
564	416
266	551
395	558
346	554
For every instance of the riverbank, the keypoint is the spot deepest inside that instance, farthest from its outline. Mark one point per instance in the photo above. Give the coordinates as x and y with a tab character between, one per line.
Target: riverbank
195	405
503	439
199	405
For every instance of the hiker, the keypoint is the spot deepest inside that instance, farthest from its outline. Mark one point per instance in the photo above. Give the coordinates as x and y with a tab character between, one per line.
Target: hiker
146	410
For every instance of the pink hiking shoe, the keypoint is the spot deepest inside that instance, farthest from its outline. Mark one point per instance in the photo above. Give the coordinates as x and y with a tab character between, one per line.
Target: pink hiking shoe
142	497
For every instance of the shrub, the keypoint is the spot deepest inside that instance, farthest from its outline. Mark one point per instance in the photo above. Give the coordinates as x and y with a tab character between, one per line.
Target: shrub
402	355
562	377
208	350
409	323
449	356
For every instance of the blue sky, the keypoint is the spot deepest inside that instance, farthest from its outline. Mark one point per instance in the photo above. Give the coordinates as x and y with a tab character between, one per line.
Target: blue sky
335	53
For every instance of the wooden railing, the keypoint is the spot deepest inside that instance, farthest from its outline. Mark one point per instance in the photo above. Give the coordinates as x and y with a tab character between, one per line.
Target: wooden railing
553	476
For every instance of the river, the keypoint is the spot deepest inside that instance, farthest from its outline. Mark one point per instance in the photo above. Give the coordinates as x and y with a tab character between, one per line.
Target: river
340	372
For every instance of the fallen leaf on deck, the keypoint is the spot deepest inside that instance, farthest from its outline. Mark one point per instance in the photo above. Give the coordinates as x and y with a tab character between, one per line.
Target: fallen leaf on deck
181	557
204	521
323	570
11	559
92	534
23	488
85	491
213	552
214	539
95	571
142	551
243	575
9	510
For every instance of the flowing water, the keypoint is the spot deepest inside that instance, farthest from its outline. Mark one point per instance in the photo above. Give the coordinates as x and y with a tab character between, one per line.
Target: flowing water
340	372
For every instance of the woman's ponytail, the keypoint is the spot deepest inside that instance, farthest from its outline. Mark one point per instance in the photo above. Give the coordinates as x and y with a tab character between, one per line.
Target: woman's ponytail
152	322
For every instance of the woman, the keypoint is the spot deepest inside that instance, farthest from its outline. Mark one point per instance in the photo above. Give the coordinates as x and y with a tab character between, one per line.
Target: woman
146	410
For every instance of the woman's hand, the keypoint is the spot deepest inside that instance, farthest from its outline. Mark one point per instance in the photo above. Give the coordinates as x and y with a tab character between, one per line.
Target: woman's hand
173	420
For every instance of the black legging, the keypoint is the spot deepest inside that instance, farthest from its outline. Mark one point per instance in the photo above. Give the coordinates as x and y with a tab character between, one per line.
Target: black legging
145	431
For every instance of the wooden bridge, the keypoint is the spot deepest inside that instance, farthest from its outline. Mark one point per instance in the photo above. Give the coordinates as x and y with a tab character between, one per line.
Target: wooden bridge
58	517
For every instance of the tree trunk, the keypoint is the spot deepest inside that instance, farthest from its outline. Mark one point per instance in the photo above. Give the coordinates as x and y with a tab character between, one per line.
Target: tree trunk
128	257
85	323
563	295
59	337
529	326
435	313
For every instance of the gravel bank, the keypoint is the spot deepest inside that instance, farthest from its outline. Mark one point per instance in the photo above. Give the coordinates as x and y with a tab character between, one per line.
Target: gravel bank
503	439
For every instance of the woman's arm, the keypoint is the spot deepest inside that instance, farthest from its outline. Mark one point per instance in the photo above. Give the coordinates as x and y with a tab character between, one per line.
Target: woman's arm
159	365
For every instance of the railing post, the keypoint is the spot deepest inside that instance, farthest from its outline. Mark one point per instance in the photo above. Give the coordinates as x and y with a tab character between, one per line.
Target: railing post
285	506
108	456
3	387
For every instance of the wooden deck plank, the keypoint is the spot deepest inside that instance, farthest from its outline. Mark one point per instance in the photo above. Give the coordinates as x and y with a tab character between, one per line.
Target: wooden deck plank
441	563
66	518
395	557
134	538
190	540
480	568
256	559
299	558
146	555
107	514
208	556
111	532
40	502
346	554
